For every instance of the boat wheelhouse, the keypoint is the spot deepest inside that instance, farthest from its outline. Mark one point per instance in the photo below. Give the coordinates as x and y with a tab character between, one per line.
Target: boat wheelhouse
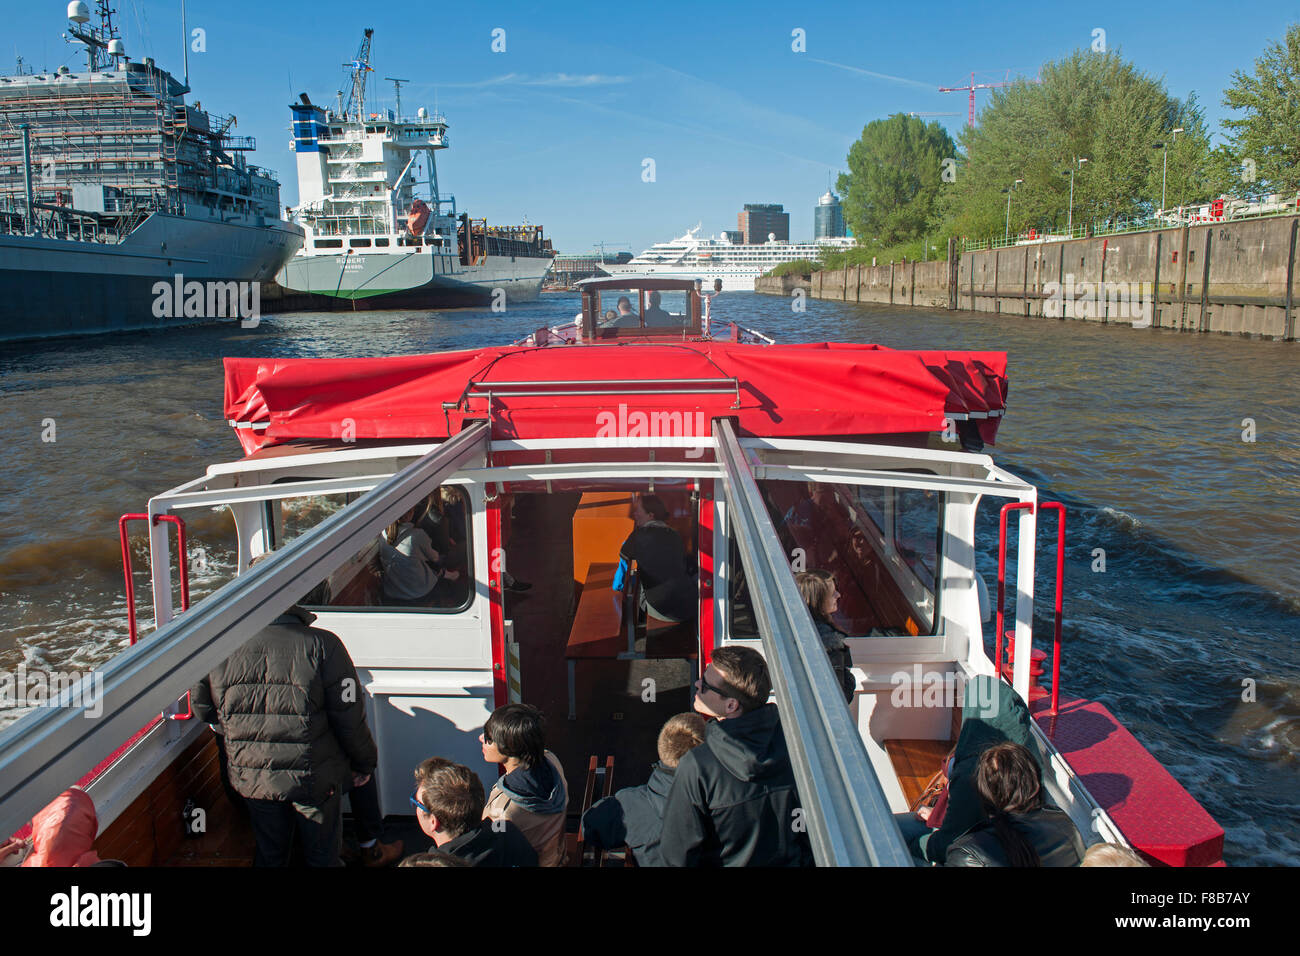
864	461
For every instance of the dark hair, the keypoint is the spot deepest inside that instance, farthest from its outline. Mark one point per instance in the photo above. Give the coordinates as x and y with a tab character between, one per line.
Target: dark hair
518	730
814	588
681	733
1008	780
624	300
744	674
434	858
452	792
654	506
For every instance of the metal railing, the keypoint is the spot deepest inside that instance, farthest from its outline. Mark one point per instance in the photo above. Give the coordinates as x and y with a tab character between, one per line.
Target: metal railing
848	818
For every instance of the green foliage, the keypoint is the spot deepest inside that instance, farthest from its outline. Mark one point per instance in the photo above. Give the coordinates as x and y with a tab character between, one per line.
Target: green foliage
1088	105
883	255
799	267
1268	132
894	178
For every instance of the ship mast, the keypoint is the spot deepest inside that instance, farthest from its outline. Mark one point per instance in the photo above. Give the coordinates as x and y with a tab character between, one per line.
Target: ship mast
360	66
103	37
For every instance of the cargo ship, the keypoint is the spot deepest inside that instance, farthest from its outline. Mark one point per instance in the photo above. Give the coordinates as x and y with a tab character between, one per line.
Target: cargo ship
115	194
380	234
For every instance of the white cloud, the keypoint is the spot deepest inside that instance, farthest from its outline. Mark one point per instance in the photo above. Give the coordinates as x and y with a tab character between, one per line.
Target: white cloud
878	76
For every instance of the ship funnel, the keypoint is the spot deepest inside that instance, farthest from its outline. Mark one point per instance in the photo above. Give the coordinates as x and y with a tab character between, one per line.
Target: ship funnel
116	48
78	12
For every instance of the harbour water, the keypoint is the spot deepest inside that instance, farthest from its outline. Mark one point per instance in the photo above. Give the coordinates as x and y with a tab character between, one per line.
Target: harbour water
1190	634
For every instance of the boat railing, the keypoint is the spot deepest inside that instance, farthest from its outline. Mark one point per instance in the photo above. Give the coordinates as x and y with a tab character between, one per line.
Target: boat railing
45	751
847	816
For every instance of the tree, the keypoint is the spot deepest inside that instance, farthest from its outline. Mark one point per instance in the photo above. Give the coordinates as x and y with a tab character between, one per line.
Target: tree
1093	106
1264	142
894	179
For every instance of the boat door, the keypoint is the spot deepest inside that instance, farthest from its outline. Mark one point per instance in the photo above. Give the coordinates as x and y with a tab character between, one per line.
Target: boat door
426	663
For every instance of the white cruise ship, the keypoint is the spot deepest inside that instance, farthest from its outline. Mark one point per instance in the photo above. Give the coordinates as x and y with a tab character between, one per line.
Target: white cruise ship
709	258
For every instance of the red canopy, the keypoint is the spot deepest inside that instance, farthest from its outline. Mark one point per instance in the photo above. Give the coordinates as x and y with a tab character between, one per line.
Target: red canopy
824	389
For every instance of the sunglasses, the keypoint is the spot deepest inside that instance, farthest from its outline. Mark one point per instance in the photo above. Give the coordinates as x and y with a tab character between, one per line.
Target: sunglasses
717	690
416	803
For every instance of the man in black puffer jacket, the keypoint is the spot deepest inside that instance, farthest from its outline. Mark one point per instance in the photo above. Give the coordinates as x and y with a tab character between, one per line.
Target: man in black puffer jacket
291	711
733	801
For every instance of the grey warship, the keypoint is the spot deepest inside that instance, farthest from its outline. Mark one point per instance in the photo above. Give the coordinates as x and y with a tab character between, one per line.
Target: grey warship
122	207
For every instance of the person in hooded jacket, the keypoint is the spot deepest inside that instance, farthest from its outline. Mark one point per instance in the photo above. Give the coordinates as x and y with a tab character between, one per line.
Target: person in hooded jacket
634	817
822	597
733	801
669	591
533	794
292	713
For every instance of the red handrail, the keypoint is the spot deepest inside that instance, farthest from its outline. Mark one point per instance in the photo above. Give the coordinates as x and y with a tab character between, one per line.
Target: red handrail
182	562
1002	573
1060	587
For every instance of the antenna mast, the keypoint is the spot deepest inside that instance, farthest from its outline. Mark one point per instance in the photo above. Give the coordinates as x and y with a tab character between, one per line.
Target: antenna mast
360	66
397	92
95	38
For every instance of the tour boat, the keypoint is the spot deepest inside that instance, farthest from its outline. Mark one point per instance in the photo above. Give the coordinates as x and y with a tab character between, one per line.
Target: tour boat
865	461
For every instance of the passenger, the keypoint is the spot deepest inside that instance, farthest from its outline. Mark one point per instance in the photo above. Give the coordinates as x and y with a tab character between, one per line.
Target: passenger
368	822
63	834
1112	854
822	597
625	318
634	817
533	793
294	721
448	802
669	592
655	315
1020	829
733	801
610	317
412	569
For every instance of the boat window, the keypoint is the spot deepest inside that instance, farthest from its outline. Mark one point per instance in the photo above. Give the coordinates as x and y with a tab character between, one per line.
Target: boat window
421	563
381	242
359	243
329	243
880	544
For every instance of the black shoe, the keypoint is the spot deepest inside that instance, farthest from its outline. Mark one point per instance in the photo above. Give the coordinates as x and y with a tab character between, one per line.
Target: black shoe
517	585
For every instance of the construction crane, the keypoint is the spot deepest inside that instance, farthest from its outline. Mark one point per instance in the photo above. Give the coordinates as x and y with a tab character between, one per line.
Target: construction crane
977	86
359	66
605	242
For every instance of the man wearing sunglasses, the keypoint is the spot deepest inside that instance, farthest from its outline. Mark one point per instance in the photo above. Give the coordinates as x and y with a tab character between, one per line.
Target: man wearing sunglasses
733	801
448	801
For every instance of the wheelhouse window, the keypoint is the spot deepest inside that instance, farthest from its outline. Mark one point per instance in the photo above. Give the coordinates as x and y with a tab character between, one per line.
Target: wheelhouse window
617	313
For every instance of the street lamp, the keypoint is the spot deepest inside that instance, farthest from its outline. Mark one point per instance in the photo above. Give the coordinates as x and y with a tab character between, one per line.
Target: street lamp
1077	164
1165	172
1006	238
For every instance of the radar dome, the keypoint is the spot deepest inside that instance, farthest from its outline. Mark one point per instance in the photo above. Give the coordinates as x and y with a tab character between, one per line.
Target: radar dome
771	237
422	113
78	12
116	48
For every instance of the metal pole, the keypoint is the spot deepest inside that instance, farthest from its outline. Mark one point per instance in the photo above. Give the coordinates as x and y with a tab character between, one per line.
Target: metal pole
1006	236
1070	219
1163	176
27	176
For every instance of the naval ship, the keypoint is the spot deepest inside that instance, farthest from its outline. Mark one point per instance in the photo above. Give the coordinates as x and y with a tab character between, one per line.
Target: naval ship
380	234
122	207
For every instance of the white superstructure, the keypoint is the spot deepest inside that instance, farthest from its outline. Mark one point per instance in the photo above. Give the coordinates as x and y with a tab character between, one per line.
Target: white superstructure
716	257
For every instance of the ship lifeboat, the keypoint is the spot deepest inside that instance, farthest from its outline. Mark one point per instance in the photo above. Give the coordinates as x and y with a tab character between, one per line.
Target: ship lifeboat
418	217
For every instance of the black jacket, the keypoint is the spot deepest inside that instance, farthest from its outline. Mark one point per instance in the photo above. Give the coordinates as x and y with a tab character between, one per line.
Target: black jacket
1050	831
485	846
660	558
633	817
840	655
733	802
292	713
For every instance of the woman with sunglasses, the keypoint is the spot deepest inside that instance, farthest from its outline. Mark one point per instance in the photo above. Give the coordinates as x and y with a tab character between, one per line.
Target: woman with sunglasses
533	794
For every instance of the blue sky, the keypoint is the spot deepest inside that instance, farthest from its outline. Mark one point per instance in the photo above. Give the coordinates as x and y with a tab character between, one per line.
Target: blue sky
558	125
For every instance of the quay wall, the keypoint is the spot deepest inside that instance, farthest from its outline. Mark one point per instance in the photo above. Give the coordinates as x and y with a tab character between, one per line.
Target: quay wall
1226	277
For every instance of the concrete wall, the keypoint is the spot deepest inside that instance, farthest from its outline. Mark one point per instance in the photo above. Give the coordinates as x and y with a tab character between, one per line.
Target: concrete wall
1227	277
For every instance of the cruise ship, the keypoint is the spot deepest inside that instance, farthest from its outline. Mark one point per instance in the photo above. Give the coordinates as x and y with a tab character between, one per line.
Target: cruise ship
708	258
121	206
380	234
